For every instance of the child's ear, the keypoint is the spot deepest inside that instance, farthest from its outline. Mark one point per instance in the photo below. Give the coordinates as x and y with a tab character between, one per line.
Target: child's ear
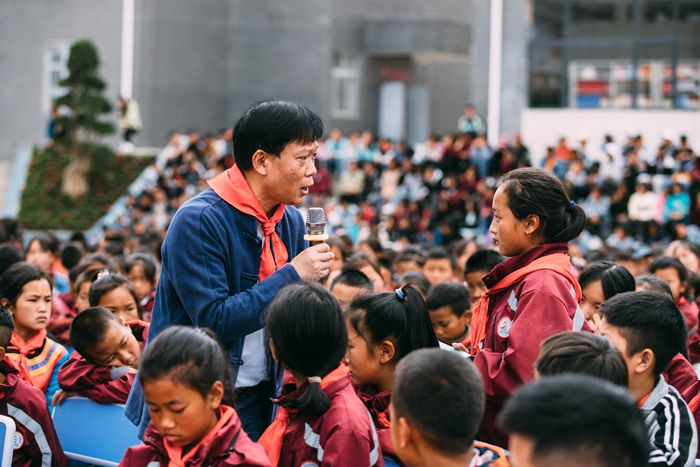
532	223
216	393
386	351
2	353
405	432
644	361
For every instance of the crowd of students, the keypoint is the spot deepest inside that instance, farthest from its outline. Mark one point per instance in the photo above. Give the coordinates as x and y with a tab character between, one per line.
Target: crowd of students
432	340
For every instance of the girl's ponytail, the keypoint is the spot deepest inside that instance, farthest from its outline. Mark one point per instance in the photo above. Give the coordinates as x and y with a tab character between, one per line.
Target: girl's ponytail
577	222
313	401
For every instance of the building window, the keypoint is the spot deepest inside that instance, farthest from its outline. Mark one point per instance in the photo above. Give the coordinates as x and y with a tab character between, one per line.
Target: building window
345	85
55	70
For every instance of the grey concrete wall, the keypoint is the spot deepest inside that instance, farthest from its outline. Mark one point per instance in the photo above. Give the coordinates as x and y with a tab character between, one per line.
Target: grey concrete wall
478	80
514	66
25	30
182	69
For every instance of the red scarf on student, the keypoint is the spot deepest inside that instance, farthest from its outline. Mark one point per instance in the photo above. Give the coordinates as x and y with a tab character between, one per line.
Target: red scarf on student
273	437
559	263
233	188
175	457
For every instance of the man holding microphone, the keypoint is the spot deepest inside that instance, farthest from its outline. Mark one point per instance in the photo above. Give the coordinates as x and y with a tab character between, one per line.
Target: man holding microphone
232	248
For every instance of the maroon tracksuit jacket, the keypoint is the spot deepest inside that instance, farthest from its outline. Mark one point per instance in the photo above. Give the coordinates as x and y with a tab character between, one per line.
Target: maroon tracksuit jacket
543	303
36	442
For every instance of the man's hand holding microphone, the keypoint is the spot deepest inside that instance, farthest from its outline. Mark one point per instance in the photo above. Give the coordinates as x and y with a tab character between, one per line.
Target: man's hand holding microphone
314	263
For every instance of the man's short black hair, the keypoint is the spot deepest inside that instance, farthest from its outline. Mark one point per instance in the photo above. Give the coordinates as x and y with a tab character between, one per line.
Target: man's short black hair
353	278
441	393
578	420
483	260
648	320
452	294
270	126
71	254
89	328
7	325
582	352
441	253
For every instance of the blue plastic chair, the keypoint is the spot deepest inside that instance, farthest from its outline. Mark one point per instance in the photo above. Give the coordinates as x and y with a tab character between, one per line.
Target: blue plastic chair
7	437
98	434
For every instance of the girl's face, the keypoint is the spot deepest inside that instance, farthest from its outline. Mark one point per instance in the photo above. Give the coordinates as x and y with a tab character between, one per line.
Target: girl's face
364	364
688	258
82	301
509	233
35	255
142	284
120	302
32	309
670	276
591	298
180	414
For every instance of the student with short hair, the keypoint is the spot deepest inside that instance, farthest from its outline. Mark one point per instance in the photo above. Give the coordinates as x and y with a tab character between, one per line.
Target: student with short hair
190	398
411	259
106	357
574	420
649	331
440	266
477	266
36	441
584	353
141	270
320	419
450	312
436	408
416	279
599	281
349	285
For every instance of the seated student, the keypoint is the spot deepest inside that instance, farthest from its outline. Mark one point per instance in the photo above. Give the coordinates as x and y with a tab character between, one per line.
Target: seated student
436	407
106	357
142	271
26	292
575	421
477	266
672	271
367	265
416	279
382	329
581	352
189	397
117	294
82	289
36	442
648	329
450	312
320	419
411	259
599	281
349	285
440	266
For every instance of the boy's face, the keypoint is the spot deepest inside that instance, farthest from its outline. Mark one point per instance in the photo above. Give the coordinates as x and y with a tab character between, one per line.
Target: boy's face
118	347
449	327
475	284
591	297
612	334
670	276
438	271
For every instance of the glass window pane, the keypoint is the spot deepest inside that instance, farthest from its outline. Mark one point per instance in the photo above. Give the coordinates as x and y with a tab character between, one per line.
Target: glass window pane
545	77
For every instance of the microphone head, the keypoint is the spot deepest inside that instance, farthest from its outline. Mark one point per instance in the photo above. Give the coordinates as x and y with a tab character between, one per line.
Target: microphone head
315	221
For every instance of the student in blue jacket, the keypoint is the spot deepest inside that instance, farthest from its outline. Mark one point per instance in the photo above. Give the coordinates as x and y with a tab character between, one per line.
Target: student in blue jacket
230	249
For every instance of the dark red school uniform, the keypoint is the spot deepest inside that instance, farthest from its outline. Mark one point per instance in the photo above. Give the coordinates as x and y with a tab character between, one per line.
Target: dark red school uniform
103	384
680	374
61	317
378	406
226	444
35	442
541	304
690	313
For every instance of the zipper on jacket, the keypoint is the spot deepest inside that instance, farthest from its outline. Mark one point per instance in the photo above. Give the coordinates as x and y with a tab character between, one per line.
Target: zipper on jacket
493	331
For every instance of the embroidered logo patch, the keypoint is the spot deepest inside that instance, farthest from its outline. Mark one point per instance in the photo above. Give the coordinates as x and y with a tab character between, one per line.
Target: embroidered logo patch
17	441
503	328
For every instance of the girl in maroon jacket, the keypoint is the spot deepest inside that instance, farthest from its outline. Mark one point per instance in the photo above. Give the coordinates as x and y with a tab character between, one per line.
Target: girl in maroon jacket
320	421
530	296
186	385
382	329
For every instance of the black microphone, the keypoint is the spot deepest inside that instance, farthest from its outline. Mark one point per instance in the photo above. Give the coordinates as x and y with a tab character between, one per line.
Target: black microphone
315	226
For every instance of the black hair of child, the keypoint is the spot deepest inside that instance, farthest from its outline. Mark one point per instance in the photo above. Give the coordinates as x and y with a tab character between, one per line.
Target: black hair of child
442	394
270	126
400	317
147	262
9	255
7	325
582	352
359	260
106	284
648	320
533	191
441	253
17	276
89	328
614	278
417	280
483	260
47	242
307	328
670	262
71	254
353	278
411	254
653	284
578	420
452	294
199	366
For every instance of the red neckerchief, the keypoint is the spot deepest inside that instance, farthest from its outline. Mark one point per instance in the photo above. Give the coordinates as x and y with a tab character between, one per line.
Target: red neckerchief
233	188
35	342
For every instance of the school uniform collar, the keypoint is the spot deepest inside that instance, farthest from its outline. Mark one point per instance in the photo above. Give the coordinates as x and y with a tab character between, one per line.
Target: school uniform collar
522	260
